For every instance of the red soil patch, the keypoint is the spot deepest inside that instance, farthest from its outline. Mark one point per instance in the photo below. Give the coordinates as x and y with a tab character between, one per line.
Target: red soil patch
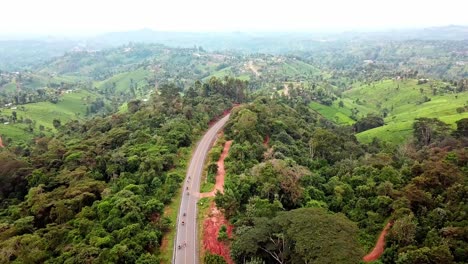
379	246
221	173
211	227
266	141
1	143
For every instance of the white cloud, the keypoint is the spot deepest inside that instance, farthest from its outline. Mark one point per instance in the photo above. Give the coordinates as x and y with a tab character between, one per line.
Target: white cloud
73	16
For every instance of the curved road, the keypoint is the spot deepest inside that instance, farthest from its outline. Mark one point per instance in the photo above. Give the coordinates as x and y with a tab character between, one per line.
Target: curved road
186	234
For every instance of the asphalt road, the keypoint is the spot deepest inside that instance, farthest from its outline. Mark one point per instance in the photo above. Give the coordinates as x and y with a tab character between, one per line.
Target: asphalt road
186	236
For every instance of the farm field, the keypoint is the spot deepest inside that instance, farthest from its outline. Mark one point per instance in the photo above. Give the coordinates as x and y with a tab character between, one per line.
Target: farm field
403	101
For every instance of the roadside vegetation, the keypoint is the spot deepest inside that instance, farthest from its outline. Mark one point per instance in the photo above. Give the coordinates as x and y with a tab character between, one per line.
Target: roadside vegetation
96	192
331	143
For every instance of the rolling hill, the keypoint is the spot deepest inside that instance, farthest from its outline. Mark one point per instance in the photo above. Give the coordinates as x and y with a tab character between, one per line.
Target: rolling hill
402	101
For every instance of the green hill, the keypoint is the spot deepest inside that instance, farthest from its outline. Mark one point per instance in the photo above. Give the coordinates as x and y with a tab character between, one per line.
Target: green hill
123	81
70	106
402	101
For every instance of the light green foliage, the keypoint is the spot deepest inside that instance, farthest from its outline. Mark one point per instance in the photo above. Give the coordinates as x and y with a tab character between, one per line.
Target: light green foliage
402	100
333	113
70	106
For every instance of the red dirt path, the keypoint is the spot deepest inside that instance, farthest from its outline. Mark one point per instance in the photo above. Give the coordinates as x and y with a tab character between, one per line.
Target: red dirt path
211	227
219	185
216	219
1	143
379	246
266	141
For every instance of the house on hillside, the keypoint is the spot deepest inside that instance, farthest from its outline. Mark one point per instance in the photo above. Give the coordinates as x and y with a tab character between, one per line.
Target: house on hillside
423	81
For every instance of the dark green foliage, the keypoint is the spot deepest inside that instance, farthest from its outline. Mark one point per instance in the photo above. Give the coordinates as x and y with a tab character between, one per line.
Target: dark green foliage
213	259
369	122
299	236
96	192
462	127
222	234
13	173
429	130
320	166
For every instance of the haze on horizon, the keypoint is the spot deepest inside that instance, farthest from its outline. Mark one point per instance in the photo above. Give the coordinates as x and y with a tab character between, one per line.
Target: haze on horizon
72	17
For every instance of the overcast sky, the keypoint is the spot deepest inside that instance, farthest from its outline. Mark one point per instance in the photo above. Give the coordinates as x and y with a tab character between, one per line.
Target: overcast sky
95	16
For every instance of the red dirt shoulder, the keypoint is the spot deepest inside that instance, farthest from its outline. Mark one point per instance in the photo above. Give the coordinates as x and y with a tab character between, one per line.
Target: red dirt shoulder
379	246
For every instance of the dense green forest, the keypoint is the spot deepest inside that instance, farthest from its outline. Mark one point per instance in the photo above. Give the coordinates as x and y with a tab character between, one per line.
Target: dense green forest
95	192
314	194
333	136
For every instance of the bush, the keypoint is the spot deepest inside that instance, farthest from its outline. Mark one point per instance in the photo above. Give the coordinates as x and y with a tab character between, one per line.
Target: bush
222	234
213	259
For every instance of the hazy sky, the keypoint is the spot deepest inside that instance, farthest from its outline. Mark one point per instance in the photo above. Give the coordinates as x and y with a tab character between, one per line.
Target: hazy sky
94	16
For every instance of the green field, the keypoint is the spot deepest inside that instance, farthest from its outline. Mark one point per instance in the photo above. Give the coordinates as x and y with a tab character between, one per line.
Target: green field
333	113
227	72
71	106
122	80
296	67
404	102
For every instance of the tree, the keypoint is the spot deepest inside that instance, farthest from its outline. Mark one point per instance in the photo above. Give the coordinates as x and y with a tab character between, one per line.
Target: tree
462	128
369	122
429	130
306	235
213	259
404	230
56	123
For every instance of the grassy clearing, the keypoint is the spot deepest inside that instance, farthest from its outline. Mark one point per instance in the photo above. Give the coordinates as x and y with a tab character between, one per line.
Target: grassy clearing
71	106
227	72
17	132
207	187
122	81
403	100
123	108
334	113
296	67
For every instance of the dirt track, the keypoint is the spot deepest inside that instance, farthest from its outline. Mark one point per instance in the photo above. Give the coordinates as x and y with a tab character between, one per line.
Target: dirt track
215	220
219	185
211	227
253	69
379	246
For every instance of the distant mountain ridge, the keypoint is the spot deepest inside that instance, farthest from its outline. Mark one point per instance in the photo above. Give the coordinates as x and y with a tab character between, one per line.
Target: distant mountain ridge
288	41
20	53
